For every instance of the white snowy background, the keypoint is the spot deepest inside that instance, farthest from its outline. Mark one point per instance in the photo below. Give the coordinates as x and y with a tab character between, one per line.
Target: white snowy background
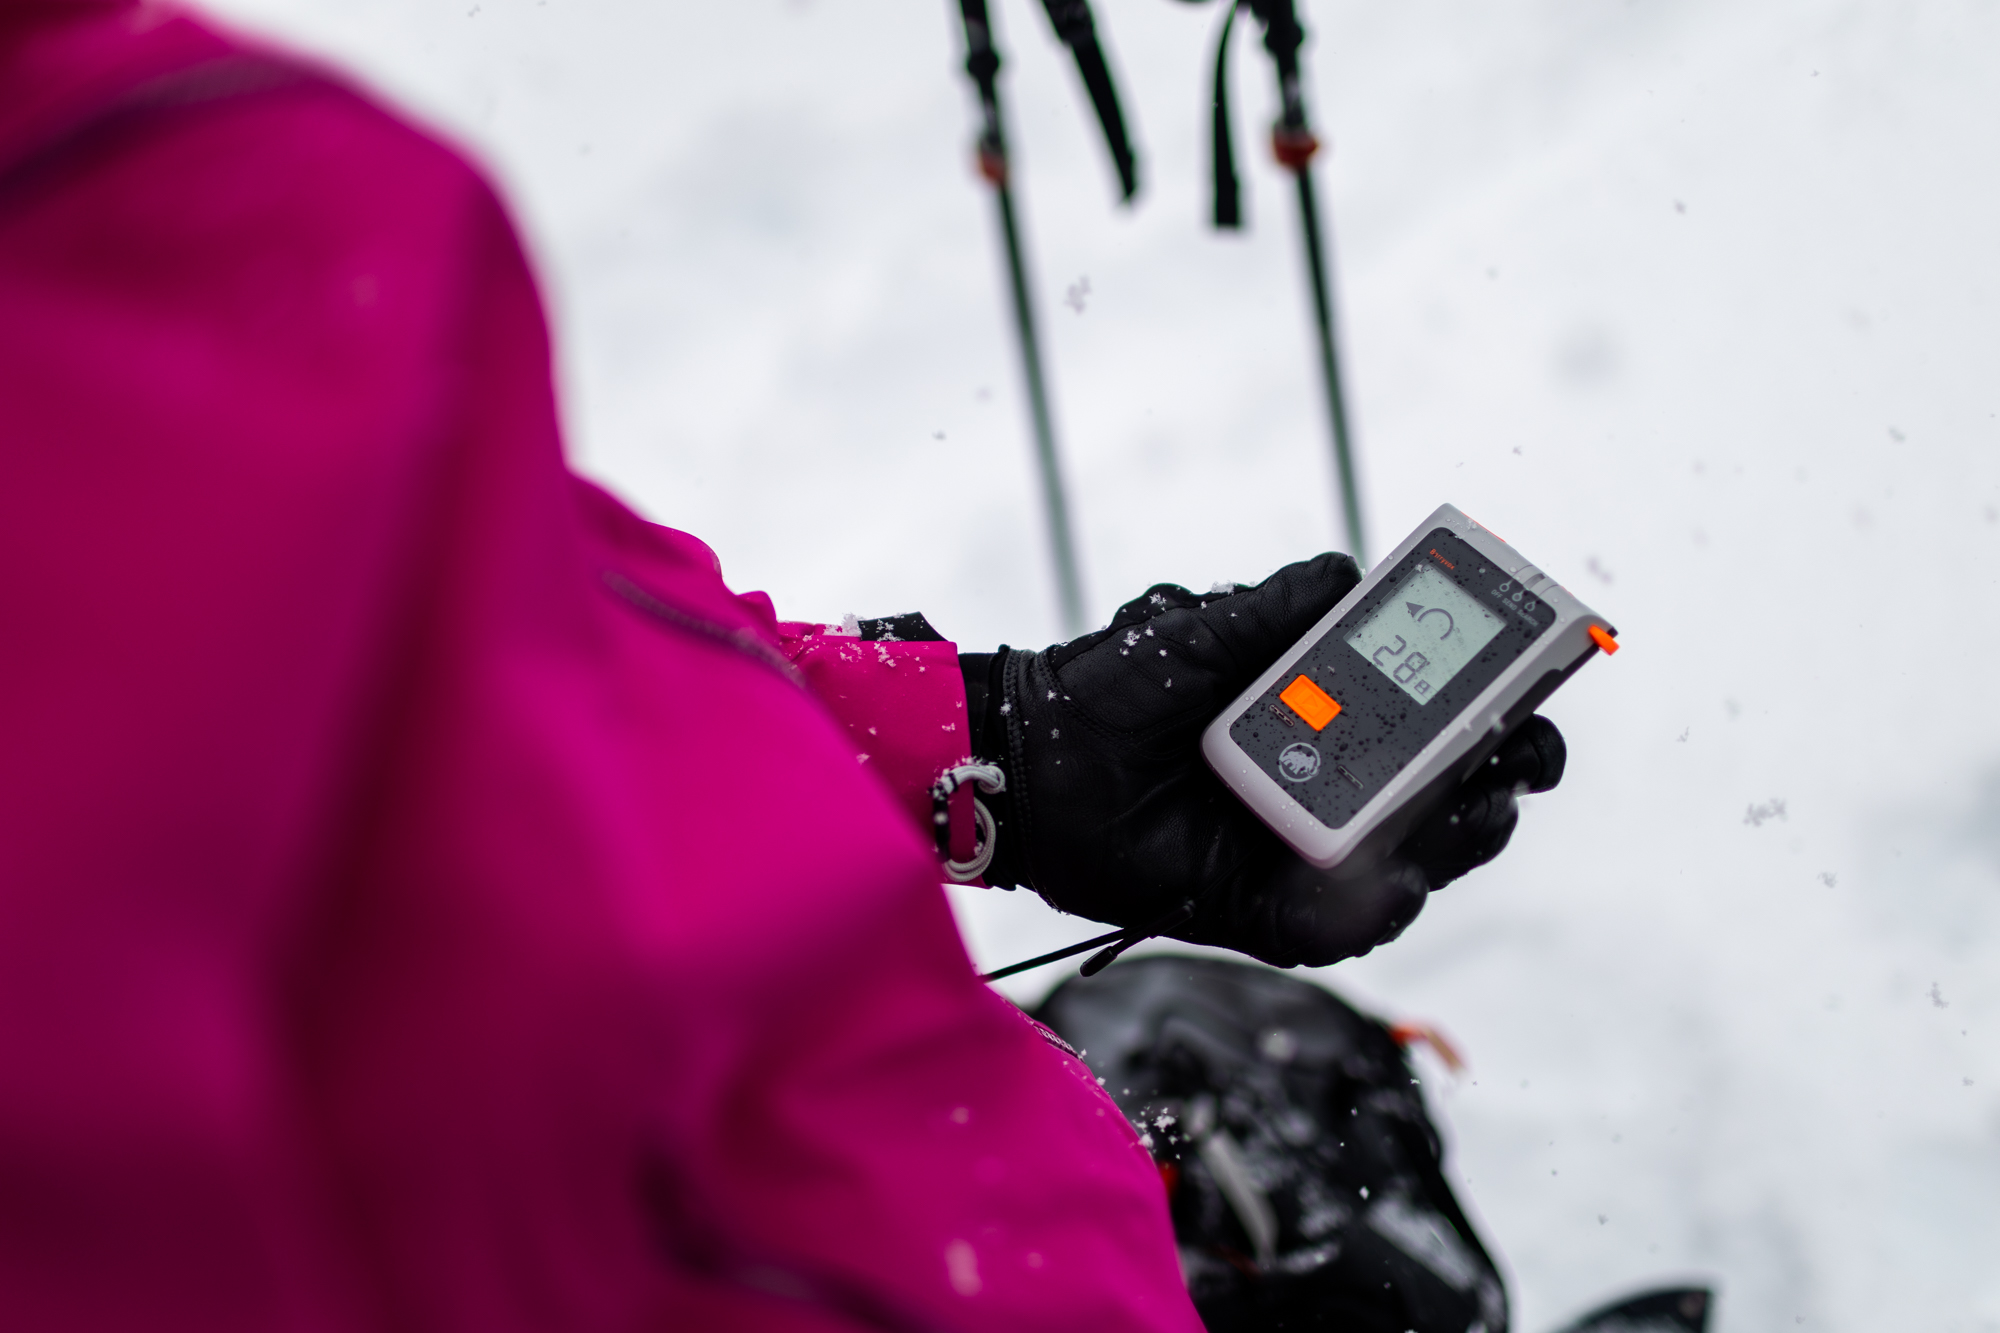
1694	300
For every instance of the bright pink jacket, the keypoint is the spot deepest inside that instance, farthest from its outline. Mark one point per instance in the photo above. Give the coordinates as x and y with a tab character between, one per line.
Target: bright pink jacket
428	900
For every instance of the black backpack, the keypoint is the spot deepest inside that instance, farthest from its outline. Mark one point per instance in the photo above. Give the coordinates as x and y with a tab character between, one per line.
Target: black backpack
1302	1167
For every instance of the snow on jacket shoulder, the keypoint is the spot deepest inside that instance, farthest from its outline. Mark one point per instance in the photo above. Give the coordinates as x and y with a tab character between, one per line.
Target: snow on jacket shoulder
427	897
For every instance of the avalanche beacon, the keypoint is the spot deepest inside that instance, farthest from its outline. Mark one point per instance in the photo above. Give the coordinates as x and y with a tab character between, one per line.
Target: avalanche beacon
1403	690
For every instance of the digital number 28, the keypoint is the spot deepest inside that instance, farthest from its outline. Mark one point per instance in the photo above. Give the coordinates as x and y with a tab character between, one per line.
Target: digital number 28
1411	665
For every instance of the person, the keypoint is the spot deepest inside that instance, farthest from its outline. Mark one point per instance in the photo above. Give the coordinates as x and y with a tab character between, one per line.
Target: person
430	898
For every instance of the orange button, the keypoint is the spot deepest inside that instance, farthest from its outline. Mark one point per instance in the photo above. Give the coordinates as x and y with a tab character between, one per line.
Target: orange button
1310	702
1603	640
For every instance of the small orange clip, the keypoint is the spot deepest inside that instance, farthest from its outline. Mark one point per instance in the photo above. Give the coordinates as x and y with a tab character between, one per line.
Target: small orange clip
1408	1032
1603	640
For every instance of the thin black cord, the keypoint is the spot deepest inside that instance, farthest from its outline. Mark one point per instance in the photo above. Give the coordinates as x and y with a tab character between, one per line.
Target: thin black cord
1117	942
1056	957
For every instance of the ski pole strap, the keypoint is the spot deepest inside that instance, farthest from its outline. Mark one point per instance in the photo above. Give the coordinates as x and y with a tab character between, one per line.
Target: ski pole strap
1228	205
1074	25
1072	22
1292	141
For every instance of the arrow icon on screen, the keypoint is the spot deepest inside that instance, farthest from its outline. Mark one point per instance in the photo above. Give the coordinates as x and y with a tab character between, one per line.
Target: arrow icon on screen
1418	611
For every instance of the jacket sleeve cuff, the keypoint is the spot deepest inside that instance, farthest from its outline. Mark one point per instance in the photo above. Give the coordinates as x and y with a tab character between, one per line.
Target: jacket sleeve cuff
901	699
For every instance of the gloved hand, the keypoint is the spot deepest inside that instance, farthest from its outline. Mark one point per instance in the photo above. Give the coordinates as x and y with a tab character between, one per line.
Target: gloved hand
1111	813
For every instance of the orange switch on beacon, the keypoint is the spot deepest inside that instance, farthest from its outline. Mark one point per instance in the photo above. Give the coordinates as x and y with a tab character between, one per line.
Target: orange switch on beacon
1603	640
1310	702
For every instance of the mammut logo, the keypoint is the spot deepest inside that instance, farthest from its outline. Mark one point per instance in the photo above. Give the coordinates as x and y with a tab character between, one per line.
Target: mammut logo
1298	762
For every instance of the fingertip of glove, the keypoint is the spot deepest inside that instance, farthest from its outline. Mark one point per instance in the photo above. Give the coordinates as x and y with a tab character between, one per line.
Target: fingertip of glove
1291	600
1328	575
1550	750
1531	759
1321	921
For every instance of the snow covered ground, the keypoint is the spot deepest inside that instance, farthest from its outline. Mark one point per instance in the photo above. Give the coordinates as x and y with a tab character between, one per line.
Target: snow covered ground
1697	301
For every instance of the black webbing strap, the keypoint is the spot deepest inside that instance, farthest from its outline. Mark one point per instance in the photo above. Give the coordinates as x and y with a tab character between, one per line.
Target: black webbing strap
1292	138
1072	22
1228	200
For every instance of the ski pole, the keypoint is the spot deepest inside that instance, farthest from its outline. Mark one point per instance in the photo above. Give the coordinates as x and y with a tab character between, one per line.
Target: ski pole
982	63
1294	144
1329	361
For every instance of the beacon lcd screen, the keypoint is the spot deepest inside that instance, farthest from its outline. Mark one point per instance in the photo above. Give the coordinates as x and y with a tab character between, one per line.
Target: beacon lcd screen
1424	633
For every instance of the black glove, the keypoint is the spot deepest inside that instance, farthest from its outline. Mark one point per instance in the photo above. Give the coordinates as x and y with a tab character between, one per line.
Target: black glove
1111	813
